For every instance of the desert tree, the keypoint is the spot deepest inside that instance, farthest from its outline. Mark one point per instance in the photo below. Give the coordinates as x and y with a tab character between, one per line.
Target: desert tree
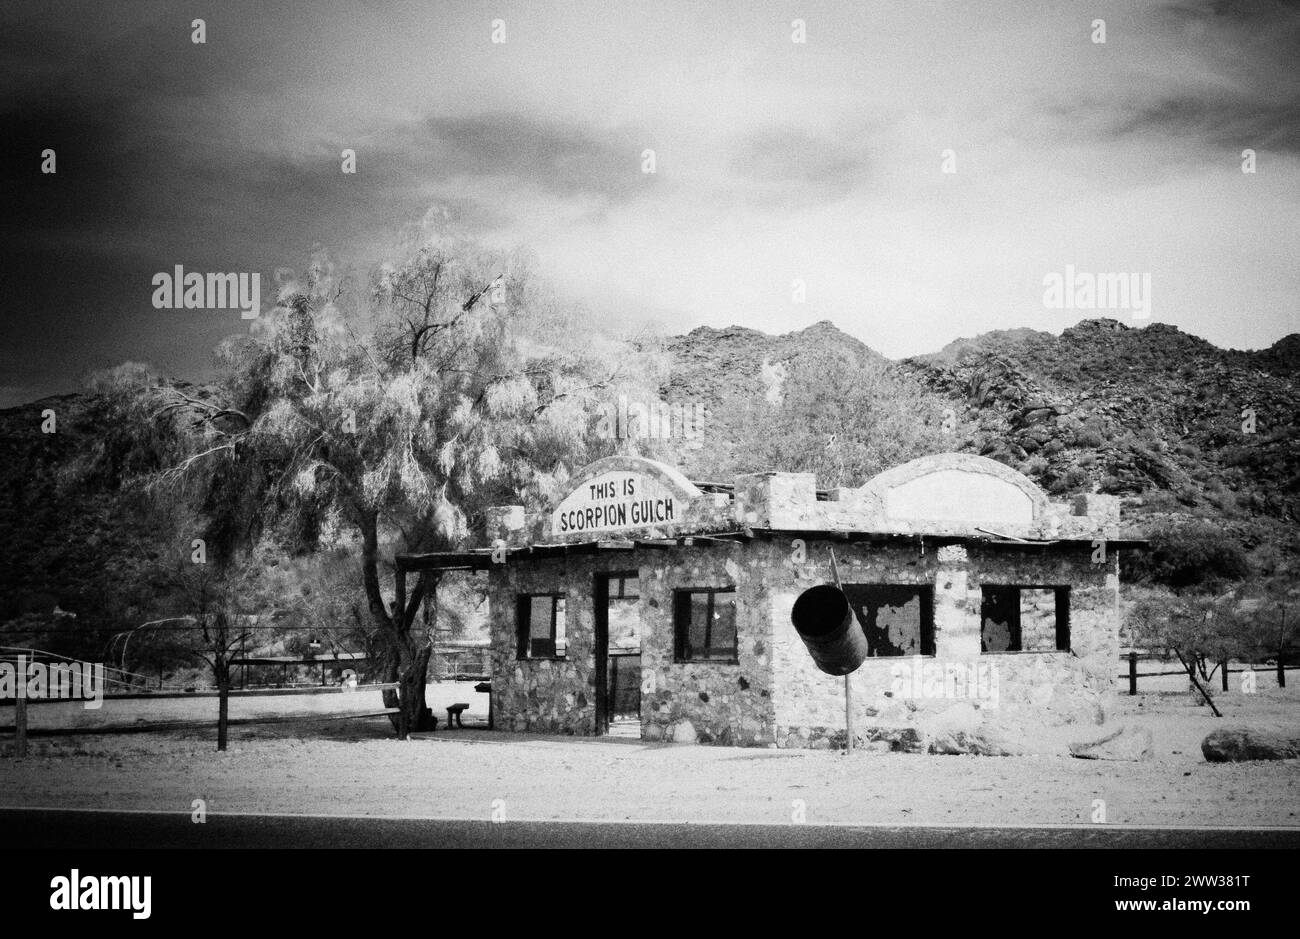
1200	630
453	381
216	599
1268	618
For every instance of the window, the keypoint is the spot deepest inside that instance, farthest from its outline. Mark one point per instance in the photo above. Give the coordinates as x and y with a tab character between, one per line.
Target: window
704	625
540	626
624	613
898	619
624	587
1025	619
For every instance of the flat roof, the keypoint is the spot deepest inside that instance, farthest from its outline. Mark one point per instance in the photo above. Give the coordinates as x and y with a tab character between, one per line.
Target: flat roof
480	559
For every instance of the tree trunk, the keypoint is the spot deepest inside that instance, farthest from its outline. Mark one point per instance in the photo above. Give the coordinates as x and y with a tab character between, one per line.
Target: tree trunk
407	662
414	713
223	711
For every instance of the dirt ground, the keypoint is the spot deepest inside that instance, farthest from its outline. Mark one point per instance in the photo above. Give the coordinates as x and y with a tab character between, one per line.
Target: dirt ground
353	766
131	712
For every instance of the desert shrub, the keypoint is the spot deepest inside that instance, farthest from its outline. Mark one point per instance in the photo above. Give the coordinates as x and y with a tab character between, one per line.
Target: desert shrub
1074	478
1197	556
1161	500
1239	456
1111	485
1034	467
1223	498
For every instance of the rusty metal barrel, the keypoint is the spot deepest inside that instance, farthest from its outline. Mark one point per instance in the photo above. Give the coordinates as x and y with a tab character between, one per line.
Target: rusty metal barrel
825	622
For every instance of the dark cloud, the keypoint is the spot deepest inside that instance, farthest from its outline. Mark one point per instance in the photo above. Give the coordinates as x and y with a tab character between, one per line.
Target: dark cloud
561	158
1230	123
787	165
1247	11
1254	46
226	156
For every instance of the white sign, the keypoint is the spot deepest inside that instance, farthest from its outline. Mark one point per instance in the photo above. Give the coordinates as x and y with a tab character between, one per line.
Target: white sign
617	500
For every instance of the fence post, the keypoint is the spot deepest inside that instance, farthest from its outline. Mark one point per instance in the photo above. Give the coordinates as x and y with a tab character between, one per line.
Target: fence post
1281	672
20	724
1225	674
1132	673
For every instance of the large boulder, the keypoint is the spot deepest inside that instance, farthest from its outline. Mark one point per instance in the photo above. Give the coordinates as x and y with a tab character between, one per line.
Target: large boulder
1127	743
1234	744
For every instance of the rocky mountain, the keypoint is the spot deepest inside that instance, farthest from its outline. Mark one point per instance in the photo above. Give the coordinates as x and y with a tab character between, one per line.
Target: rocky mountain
1165	419
711	365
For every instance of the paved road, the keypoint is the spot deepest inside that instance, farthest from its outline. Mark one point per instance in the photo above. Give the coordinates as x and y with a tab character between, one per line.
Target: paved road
51	828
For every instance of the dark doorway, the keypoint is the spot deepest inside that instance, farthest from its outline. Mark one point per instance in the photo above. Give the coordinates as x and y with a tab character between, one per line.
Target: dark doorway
618	653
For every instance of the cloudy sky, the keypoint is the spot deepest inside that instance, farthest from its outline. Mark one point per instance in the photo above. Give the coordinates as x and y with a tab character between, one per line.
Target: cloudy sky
775	161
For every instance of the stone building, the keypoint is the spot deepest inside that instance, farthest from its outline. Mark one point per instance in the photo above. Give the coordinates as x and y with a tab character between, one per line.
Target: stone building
648	605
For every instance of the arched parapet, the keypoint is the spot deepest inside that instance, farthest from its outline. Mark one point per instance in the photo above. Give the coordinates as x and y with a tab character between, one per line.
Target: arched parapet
955	489
625	494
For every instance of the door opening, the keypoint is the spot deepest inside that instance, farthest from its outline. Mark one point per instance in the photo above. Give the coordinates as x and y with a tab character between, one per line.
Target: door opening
618	624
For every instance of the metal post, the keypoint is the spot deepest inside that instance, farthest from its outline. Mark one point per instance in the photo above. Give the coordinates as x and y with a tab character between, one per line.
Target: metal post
848	713
1132	673
848	689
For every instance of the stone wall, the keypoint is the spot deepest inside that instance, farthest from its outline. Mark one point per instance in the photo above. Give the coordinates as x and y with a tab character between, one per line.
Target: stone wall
544	695
901	699
773	694
713	702
726	703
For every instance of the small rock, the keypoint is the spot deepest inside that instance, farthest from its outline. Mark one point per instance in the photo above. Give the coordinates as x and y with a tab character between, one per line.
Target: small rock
904	739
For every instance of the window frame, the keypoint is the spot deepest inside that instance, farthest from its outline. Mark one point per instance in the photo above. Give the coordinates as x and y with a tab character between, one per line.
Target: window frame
524	624
621	580
681	629
1062	613
925	592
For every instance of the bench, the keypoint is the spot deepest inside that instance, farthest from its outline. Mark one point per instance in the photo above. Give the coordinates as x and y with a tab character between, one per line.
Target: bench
453	715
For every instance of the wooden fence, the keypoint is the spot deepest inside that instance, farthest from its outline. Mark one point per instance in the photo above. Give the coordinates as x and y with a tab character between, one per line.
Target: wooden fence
1133	674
